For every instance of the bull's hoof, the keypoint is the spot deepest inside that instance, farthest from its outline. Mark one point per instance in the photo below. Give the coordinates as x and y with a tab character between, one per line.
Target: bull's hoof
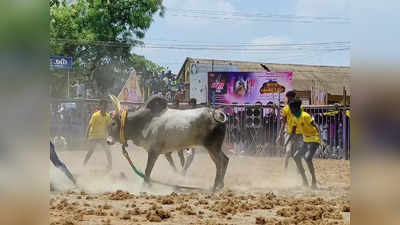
147	184
218	187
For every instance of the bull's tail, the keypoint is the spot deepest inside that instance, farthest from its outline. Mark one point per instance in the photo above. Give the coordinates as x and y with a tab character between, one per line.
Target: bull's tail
219	116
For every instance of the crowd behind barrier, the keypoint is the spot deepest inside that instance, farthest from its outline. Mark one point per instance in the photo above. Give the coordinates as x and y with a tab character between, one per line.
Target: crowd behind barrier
251	129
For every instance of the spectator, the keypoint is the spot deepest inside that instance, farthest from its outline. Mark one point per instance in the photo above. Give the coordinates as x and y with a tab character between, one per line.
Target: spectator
97	133
176	103
168	96
193	103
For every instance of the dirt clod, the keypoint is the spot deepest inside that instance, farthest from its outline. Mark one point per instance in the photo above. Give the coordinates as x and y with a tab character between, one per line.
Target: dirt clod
260	220
120	195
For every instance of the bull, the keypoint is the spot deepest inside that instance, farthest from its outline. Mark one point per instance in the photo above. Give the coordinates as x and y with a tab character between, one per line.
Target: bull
161	130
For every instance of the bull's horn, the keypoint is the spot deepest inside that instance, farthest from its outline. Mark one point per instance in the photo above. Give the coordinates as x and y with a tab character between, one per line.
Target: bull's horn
116	103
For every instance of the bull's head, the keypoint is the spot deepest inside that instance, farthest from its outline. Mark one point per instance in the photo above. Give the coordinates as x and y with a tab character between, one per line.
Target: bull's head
137	120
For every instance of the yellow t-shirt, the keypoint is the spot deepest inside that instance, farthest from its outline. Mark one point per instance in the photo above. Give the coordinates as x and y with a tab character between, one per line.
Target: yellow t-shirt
98	125
289	123
303	124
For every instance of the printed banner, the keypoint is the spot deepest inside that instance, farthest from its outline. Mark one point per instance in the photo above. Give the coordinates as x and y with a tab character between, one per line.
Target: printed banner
199	76
248	87
132	92
318	96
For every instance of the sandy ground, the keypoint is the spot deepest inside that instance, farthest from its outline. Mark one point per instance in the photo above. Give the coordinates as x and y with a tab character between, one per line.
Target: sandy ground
257	191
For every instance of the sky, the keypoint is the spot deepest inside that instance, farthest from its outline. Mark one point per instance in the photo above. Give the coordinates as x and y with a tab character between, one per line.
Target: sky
215	29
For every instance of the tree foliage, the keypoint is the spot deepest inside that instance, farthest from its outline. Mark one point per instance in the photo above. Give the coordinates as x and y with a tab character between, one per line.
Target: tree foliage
100	34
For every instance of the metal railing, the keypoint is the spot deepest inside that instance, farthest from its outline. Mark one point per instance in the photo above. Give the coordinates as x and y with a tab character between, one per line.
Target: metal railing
252	129
69	119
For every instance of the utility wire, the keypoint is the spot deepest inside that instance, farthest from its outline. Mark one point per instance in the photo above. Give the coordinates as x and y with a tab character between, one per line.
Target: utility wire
229	16
322	46
257	14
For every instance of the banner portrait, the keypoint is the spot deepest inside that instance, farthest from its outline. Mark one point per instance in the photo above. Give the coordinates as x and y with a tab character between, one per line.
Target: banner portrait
248	87
132	92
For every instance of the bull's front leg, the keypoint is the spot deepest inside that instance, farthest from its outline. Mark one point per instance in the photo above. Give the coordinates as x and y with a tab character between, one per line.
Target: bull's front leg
151	160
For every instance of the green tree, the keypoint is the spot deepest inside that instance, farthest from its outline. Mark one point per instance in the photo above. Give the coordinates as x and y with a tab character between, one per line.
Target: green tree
146	69
100	34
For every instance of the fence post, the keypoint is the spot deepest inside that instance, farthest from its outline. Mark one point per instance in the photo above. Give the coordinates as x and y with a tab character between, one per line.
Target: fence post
344	138
279	111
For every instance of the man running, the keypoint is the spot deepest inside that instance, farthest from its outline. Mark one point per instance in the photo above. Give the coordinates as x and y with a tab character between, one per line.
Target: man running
97	133
60	165
304	123
287	125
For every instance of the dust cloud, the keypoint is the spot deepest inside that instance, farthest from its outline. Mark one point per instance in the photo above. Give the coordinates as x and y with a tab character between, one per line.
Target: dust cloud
257	191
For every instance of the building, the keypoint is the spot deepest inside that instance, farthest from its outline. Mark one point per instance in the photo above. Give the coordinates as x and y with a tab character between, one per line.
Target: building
332	80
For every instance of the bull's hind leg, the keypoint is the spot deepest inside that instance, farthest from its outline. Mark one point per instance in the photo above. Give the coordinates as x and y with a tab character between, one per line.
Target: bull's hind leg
212	153
151	160
168	156
189	161
181	158
213	144
225	161
221	163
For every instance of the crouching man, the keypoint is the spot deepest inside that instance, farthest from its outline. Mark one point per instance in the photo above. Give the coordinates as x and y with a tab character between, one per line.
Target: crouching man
304	123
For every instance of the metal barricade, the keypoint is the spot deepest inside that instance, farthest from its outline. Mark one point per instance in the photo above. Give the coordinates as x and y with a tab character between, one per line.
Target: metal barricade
246	136
70	117
252	129
335	130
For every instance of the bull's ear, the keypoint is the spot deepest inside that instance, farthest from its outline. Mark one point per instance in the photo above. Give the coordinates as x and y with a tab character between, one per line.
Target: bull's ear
156	104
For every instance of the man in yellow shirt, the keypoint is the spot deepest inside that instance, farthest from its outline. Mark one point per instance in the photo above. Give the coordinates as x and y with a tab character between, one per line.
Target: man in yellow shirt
304	123
97	133
287	125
